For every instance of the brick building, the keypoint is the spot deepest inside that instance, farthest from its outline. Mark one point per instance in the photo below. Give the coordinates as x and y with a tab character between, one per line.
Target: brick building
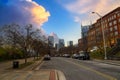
111	27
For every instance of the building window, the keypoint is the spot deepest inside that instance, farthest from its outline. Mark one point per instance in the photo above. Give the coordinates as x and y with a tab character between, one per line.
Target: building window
115	27
105	21
115	22
110	18
118	14
110	24
119	19
106	25
114	16
116	33
111	29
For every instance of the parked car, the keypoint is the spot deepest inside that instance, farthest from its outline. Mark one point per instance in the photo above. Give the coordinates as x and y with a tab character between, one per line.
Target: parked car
84	56
47	57
75	56
66	55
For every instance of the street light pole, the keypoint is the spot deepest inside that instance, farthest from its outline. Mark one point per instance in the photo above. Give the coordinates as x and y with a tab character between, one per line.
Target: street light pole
103	33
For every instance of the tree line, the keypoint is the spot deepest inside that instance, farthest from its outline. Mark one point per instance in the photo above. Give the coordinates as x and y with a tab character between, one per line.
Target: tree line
21	42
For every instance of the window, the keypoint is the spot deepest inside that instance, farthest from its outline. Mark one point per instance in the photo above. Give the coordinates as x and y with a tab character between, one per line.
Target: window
110	18
115	27
106	25
119	19
114	22
110	24
105	21
118	14
114	16
116	33
111	29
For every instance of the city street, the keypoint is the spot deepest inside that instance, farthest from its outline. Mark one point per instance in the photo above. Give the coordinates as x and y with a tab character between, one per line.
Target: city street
83	70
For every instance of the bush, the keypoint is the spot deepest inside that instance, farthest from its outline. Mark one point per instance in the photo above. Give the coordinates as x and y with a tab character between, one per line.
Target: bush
10	53
97	54
3	54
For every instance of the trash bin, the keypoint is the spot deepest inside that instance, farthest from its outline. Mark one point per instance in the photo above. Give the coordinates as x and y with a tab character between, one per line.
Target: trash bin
15	64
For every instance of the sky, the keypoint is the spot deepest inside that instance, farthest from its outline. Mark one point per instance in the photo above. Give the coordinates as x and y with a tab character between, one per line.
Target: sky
60	18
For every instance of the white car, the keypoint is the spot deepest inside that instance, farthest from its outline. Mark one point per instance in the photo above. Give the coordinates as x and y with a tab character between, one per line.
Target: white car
75	56
47	57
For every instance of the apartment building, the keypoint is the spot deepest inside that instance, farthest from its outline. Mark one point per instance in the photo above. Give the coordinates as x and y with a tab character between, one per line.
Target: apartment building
111	27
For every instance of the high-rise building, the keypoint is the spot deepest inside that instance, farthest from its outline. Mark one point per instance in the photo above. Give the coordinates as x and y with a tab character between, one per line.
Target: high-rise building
57	46
70	43
51	41
61	43
84	32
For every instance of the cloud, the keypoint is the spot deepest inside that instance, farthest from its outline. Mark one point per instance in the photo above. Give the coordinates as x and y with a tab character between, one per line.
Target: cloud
85	7
56	39
77	19
22	12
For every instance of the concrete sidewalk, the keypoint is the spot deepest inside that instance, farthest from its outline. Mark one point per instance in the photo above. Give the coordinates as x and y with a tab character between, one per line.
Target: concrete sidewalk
30	72
32	75
9	64
112	62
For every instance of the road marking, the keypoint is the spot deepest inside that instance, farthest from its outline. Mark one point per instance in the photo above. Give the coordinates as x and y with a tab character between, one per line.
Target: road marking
90	69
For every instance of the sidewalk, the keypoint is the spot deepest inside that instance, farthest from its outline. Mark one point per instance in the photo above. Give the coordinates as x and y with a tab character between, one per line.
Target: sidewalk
31	72
112	62
33	75
9	64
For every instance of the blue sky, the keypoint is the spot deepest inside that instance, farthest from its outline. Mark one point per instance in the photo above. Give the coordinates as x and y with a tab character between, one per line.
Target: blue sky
61	17
61	21
65	22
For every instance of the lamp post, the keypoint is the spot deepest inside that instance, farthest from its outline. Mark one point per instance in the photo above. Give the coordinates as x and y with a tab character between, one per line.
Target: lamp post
103	34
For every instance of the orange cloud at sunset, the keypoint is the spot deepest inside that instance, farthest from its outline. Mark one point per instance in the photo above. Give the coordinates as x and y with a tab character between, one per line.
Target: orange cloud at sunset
39	15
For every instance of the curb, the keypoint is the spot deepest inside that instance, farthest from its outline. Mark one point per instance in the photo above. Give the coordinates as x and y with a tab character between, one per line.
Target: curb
35	67
56	75
60	75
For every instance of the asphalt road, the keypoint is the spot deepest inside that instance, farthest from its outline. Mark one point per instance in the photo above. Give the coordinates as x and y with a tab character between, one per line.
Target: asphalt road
83	70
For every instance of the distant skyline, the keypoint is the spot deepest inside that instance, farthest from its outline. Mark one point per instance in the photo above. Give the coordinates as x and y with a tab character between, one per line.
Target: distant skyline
62	18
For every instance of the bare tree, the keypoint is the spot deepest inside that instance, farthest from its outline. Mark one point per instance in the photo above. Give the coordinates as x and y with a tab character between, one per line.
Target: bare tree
25	38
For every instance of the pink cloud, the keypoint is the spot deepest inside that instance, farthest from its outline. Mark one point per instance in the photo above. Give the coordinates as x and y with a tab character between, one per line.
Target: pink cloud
85	7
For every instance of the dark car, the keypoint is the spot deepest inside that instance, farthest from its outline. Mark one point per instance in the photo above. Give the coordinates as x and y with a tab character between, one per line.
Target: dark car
84	56
47	57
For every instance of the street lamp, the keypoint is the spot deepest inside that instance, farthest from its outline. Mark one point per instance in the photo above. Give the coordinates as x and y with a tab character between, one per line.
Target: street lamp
103	33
